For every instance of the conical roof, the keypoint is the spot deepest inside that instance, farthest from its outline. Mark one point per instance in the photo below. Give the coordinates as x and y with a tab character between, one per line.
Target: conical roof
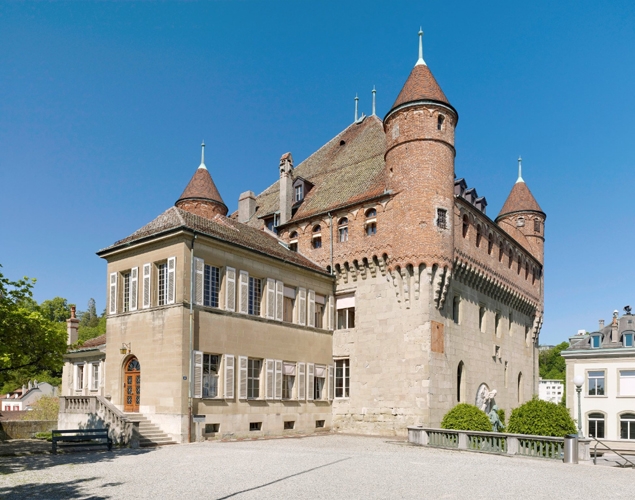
201	190
421	86
520	200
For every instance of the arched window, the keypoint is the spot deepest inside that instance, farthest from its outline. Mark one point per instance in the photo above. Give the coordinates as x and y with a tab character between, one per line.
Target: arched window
501	251
440	121
520	222
526	270
342	228
521	396
596	425
371	222
520	263
490	243
293	241
316	240
536	225
460	383
627	426
466	225
479	235
456	303
511	258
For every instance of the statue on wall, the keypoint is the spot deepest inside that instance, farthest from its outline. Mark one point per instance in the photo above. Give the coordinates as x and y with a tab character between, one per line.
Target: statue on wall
494	419
485	398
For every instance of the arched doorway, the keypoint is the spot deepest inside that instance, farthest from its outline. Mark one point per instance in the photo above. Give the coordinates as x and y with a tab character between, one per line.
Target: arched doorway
131	385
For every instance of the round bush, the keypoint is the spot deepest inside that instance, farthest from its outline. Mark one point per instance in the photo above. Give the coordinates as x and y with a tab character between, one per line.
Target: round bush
465	417
541	418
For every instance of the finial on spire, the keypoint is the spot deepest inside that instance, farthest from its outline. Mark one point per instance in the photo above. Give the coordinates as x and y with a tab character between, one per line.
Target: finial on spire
374	92
520	170
356	103
420	60
202	165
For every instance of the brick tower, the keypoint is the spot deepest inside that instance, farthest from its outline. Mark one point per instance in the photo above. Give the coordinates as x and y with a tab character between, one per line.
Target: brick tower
420	170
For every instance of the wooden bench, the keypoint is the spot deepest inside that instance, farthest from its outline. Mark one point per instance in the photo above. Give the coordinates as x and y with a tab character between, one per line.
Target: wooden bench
81	437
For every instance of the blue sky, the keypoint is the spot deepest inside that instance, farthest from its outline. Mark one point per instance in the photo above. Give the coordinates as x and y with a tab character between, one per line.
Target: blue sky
103	107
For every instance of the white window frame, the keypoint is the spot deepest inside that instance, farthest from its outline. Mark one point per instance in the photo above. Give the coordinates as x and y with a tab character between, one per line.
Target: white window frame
95	381
76	380
344	376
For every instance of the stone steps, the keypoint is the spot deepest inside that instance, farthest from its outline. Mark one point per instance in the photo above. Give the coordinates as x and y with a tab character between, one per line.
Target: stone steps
149	433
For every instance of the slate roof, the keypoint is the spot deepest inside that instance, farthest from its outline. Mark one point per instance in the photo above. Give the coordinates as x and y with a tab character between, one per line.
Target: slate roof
346	170
520	199
202	187
583	342
421	86
222	228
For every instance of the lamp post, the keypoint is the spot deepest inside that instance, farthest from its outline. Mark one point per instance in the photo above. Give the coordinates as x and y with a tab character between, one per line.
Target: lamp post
578	380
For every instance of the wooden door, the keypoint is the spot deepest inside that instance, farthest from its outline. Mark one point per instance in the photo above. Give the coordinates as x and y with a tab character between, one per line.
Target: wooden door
132	385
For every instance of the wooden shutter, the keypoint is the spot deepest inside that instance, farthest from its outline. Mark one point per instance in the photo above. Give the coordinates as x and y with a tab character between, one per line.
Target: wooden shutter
242	377
278	394
331	319
147	270
331	383
171	280
229	376
271	298
279	300
311	316
270	379
243	293
302	306
301	382
230	289
113	294
197	377
134	280
199	270
310	381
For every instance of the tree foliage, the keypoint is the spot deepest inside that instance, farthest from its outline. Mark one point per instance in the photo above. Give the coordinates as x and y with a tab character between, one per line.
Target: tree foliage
551	363
56	310
466	417
45	408
90	324
541	418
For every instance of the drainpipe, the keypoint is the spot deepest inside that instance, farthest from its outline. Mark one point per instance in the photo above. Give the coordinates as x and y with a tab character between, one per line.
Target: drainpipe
333	316
189	385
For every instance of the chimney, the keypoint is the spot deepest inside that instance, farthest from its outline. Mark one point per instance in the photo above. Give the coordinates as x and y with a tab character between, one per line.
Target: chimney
72	324
246	206
286	187
614	336
29	386
601	324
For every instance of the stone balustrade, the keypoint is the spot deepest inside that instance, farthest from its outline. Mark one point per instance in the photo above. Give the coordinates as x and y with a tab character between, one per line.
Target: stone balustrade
496	442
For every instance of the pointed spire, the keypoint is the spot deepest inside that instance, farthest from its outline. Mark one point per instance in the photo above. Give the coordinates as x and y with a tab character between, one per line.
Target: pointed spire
420	61
374	92
356	104
202	165
520	170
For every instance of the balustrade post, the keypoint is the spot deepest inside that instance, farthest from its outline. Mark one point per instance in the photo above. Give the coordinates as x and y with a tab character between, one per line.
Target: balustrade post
512	445
463	440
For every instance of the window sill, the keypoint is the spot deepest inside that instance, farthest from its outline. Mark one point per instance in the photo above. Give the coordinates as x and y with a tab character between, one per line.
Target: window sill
625	396
595	397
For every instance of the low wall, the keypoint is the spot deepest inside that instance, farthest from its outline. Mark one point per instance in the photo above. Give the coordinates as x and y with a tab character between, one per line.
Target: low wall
25	429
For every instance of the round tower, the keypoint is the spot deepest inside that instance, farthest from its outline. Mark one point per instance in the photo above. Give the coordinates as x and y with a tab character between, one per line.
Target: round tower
420	169
522	218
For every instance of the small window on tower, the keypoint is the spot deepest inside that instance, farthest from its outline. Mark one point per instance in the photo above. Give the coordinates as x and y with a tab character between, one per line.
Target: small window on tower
371	222
317	236
442	218
293	241
440	121
466	225
520	222
536	225
342	229
479	236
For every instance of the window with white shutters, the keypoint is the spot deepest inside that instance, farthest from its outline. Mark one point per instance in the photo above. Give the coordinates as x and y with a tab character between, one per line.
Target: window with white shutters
230	289
271	298
311	311
301	381
125	303
278	369
288	379
113	294
162	283
171	288
147	271
242	377
229	376
302	306
211	375
197	377
254	369
331	314
319	382
243	292
342	378
310	381
199	279
211	286
134	280
270	379
279	300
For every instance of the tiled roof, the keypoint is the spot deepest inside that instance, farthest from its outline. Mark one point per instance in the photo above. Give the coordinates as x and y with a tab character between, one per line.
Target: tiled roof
224	229
347	169
94	342
202	187
420	85
519	200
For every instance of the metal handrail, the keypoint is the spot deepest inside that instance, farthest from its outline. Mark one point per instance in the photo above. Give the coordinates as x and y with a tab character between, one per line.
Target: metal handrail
595	454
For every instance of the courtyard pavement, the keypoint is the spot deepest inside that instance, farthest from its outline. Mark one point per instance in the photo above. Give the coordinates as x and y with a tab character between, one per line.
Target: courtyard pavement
328	466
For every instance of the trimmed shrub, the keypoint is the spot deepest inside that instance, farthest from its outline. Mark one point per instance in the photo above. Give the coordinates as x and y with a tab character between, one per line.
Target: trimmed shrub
466	417
541	418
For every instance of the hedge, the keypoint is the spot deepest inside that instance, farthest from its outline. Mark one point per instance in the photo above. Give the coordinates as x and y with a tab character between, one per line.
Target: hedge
541	418
466	417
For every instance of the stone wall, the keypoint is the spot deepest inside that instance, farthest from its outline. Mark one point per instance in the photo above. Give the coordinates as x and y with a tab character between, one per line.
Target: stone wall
25	429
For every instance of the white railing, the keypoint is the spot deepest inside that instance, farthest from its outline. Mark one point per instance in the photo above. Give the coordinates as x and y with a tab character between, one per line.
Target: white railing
120	428
496	442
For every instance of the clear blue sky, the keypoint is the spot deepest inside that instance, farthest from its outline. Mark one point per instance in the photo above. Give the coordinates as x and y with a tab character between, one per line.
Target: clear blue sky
103	107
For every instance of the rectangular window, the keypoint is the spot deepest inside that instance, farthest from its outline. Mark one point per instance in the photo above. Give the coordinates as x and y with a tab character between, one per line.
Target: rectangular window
289	424
319	382
346	318
211	365
342	378
627	382
79	382
596	383
596	341
319	314
442	218
299	193
596	425
371	229
536	225
211	286
627	340
481	318
126	291
163	278
255	295
627	426
288	380
95	376
255	426
254	366
319	424
288	309
497	324
343	234
456	302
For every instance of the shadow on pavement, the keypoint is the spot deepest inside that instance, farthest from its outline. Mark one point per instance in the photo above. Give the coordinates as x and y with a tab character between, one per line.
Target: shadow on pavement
50	491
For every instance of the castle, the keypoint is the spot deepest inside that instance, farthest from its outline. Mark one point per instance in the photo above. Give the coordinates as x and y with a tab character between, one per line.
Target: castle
364	291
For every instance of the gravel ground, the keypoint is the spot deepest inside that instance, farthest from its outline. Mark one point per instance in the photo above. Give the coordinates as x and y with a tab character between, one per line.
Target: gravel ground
333	466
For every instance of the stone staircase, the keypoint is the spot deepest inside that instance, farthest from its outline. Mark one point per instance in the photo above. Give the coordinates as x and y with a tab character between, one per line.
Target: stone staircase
149	433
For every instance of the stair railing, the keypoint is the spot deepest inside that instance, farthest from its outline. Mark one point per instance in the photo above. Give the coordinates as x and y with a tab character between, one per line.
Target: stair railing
595	454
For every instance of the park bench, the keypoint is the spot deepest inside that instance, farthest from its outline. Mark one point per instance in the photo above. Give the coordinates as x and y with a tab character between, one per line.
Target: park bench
81	437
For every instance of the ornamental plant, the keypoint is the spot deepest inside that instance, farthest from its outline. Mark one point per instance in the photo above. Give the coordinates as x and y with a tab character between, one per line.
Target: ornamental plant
466	417
541	418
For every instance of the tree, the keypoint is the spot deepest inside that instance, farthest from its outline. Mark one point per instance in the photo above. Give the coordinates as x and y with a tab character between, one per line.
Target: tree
56	310
89	318
45	408
466	417
29	342
541	418
551	363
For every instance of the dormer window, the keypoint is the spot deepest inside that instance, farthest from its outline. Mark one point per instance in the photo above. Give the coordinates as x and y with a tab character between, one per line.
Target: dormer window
342	229
293	241
299	192
371	222
272	222
440	121
596	341
627	339
317	237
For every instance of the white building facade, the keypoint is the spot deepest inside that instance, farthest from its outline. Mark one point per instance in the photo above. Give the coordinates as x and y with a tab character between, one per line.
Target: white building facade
550	390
